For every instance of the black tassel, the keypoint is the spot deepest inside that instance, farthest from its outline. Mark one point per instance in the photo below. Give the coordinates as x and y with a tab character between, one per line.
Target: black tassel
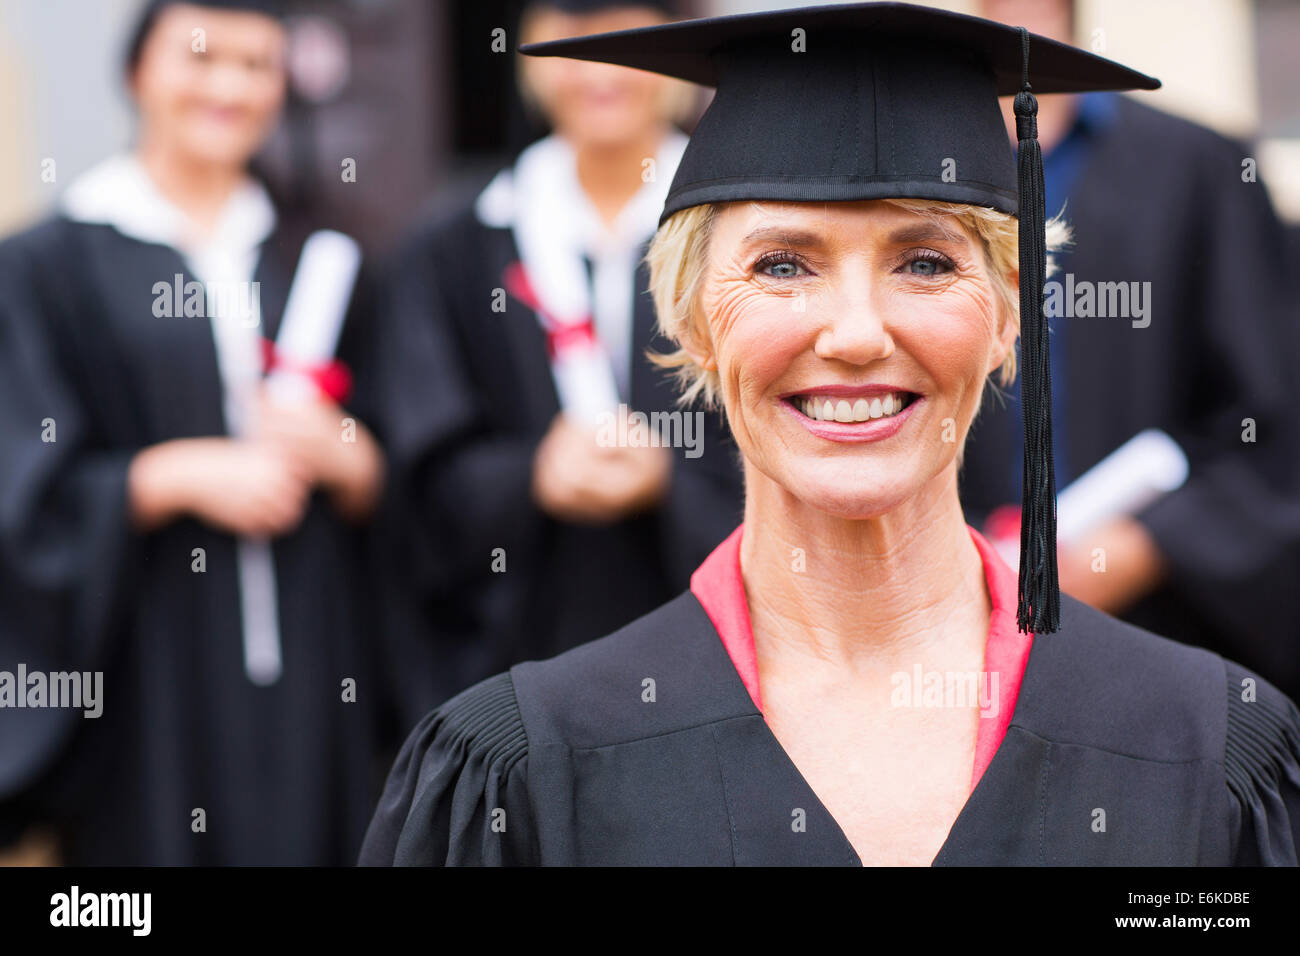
1039	598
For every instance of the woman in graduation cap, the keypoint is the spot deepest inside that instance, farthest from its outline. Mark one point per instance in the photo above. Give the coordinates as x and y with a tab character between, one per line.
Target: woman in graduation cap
163	520
541	514
855	676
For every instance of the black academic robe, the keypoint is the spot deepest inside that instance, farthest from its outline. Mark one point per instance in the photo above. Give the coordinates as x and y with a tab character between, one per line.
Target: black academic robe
472	395
563	762
1161	200
282	774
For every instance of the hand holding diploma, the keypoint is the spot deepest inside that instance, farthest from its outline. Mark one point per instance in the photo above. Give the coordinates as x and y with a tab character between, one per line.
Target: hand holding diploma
577	479
1105	556
294	413
331	448
1133	566
257	483
242	487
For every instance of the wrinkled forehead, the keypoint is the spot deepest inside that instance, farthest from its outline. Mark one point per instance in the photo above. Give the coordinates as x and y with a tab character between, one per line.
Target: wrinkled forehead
899	220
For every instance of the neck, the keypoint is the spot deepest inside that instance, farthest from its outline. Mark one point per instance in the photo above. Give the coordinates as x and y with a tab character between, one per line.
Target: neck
200	189
870	591
610	173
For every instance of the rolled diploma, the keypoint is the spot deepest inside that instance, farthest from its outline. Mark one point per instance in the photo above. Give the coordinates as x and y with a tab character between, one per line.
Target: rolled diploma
1147	466
314	313
309	334
583	374
584	379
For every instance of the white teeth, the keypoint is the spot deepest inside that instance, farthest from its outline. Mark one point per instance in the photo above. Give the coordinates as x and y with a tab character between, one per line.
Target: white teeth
859	410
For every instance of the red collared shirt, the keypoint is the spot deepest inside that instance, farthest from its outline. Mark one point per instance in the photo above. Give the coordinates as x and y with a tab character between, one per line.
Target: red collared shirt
718	586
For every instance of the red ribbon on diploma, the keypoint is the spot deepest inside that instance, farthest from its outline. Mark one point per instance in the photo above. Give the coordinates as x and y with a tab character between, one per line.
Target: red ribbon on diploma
333	378
559	335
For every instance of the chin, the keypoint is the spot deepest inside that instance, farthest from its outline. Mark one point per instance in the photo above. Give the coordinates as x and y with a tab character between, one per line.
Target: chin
849	496
593	132
228	155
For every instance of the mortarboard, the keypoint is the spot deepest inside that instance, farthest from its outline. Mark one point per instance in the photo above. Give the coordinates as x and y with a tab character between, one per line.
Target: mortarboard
582	7
883	100
151	10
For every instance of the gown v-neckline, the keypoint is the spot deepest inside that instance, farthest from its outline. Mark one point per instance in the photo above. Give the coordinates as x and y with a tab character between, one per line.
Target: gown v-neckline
969	807
964	813
730	621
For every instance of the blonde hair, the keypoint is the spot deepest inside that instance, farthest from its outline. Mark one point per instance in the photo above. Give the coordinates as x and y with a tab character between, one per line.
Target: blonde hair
678	260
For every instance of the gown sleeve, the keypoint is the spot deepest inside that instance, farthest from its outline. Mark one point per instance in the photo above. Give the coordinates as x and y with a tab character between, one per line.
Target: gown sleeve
457	794
66	546
1262	766
65	534
440	446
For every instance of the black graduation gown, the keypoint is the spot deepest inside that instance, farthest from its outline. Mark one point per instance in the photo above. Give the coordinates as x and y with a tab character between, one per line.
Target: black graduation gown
1159	199
283	773
471	397
563	763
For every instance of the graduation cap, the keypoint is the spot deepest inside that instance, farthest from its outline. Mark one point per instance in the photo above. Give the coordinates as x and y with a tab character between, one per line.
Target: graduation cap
874	101
153	9
583	7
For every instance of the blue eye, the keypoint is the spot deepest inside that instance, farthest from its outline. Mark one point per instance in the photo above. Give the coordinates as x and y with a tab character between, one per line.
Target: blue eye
780	266
928	265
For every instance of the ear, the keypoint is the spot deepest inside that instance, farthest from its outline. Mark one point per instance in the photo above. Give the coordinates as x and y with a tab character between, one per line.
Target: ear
701	353
703	357
1006	339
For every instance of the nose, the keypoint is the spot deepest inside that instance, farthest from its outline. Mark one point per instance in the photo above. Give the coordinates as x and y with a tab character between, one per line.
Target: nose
229	83
855	329
597	76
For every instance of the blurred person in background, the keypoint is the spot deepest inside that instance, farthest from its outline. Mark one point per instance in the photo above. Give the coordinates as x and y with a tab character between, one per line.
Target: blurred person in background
1159	202
162	518
521	324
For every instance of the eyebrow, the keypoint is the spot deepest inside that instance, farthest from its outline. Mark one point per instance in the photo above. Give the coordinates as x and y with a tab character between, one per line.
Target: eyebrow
913	232
793	237
925	232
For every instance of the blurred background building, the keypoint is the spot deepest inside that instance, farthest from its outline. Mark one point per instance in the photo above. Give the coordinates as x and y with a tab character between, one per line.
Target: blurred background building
412	92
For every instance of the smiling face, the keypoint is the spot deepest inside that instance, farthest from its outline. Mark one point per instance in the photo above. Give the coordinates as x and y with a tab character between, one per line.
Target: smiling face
852	341
593	103
211	96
